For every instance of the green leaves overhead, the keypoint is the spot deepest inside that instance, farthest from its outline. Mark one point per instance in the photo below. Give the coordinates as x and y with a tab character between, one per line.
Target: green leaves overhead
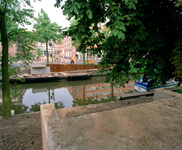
143	31
12	14
89	13
46	30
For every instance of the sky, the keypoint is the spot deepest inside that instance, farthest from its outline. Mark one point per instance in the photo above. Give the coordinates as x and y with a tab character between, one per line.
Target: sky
55	14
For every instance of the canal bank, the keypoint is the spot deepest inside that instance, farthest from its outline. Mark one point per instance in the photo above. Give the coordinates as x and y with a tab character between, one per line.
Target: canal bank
153	125
23	131
134	124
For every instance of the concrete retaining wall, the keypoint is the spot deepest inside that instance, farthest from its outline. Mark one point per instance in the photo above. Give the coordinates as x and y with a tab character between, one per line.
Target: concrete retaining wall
79	133
50	122
164	94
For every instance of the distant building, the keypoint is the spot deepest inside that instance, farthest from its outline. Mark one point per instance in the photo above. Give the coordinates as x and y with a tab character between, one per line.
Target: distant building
13	49
67	50
42	47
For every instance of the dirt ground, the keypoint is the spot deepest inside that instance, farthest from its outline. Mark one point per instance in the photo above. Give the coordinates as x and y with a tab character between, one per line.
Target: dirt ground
23	132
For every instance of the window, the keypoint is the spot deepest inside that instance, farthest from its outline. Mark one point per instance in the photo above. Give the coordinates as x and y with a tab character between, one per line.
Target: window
106	92
93	94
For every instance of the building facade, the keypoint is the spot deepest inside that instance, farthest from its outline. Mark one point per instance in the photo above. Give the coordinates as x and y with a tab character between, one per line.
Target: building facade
13	49
42	47
68	51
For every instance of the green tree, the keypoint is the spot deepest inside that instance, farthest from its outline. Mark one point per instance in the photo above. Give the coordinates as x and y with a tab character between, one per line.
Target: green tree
176	59
176	56
179	3
144	31
75	39
11	11
46	30
38	53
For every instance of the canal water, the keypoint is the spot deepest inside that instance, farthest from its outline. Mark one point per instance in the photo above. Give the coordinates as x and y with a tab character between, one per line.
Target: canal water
28	97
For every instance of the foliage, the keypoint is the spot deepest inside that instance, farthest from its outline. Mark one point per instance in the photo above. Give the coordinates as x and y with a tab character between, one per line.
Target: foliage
36	107
179	91
75	40
38	53
12	14
19	109
59	105
144	31
45	30
179	3
176	59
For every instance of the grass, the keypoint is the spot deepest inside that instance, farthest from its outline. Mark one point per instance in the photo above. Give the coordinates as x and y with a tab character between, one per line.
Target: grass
179	91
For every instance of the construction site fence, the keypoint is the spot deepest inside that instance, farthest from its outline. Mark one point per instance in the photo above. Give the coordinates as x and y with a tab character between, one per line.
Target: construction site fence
70	67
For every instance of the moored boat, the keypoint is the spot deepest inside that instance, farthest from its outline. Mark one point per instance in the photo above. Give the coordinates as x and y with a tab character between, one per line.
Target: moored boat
53	76
142	87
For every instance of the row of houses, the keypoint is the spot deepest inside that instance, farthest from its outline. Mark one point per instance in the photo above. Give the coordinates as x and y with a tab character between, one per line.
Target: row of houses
65	50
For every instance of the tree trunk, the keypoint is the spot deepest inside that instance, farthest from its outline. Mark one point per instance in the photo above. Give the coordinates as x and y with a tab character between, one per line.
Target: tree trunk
4	65
47	51
83	57
49	96
83	95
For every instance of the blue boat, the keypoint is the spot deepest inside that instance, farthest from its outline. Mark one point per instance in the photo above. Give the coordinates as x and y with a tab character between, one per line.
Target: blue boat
140	86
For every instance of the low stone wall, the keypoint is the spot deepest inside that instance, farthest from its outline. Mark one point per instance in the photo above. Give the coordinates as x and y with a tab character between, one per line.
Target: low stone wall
125	128
50	122
164	94
84	131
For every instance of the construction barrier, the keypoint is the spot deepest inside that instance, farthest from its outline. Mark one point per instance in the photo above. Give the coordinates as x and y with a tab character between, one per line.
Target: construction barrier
70	67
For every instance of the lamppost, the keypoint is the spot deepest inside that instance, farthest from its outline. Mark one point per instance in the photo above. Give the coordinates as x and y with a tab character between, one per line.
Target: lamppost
50	44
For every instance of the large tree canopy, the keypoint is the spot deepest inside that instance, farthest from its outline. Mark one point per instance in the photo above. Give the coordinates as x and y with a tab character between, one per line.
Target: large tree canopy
143	31
12	13
46	30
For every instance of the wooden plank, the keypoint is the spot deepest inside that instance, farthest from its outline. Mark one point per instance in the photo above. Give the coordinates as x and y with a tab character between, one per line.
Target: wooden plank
123	96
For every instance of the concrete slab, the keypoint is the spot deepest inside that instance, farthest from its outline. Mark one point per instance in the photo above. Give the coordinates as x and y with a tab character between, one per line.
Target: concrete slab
147	126
164	94
50	122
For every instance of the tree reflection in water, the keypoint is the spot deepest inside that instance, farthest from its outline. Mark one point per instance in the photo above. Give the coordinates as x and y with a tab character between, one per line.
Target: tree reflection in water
19	109
36	107
51	96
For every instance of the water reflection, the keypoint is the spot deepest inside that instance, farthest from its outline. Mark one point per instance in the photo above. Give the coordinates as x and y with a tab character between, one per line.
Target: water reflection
64	94
98	93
